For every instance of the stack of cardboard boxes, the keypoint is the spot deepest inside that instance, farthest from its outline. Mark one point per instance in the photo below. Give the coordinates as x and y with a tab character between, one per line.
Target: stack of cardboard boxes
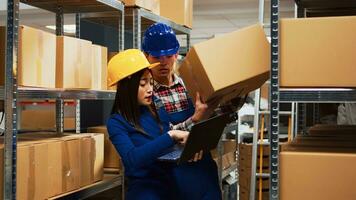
178	11
322	161
111	157
50	61
49	165
228	155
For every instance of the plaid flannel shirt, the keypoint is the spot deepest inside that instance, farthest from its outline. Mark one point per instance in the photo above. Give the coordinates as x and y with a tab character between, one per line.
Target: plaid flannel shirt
174	99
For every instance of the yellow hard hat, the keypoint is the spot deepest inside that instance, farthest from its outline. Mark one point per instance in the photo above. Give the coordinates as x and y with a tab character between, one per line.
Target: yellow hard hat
125	64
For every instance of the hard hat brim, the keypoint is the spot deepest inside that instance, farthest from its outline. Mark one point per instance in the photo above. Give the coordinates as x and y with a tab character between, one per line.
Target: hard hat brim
167	52
153	65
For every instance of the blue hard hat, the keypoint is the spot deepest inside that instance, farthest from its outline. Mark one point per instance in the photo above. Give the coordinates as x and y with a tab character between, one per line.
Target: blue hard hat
160	40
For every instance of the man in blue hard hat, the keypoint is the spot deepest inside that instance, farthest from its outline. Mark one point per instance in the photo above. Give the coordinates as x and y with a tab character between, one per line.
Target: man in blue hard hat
195	180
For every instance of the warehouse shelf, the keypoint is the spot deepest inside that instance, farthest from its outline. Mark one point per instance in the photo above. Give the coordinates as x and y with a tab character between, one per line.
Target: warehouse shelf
305	8
326	4
43	93
325	8
137	20
109	181
149	18
318	95
78	6
12	92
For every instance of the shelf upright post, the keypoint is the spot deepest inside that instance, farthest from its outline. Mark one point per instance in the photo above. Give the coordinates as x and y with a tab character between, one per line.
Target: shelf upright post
77	101
59	102
274	104
77	25
121	30
256	126
136	26
10	140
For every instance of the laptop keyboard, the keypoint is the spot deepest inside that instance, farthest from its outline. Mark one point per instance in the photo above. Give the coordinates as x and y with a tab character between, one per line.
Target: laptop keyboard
172	155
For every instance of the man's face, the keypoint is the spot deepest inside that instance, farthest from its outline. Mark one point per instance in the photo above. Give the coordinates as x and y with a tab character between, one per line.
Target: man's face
165	69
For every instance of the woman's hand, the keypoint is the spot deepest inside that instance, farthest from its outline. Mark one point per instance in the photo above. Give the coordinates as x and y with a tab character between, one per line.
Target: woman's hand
179	136
197	156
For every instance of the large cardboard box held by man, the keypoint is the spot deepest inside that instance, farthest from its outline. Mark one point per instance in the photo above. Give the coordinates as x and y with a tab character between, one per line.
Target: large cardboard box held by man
318	52
227	66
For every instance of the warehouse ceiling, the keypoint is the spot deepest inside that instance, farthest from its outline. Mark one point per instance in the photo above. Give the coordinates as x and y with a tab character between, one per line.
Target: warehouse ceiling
211	17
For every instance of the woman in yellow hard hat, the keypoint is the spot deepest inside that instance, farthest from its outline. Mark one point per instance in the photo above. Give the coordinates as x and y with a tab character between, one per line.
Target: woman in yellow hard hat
139	132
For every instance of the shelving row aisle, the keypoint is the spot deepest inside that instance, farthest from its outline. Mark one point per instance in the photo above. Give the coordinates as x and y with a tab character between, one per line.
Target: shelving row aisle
306	8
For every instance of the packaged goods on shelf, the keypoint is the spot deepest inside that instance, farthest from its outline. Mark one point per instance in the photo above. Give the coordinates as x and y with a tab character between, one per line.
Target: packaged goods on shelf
179	11
228	146
317	175
228	66
318	52
74	63
111	157
49	164
44	120
99	68
324	129
36	57
151	5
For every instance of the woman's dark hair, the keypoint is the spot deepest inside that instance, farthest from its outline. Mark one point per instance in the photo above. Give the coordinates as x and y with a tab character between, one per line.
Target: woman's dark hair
126	102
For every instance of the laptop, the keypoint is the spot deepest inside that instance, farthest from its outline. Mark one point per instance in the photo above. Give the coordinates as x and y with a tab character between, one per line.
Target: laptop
204	135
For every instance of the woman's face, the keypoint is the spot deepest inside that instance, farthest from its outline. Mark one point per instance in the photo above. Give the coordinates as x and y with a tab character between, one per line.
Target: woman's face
145	88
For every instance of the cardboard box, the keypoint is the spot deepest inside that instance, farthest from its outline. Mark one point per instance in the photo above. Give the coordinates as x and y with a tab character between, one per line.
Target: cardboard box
323	129
91	154
71	175
99	68
55	163
98	165
111	157
73	63
227	66
44	120
228	146
312	175
151	5
179	11
32	170
318	52
36	57
87	163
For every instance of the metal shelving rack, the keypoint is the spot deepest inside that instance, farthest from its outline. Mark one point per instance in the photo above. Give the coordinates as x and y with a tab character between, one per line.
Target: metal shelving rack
305	8
137	20
11	92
